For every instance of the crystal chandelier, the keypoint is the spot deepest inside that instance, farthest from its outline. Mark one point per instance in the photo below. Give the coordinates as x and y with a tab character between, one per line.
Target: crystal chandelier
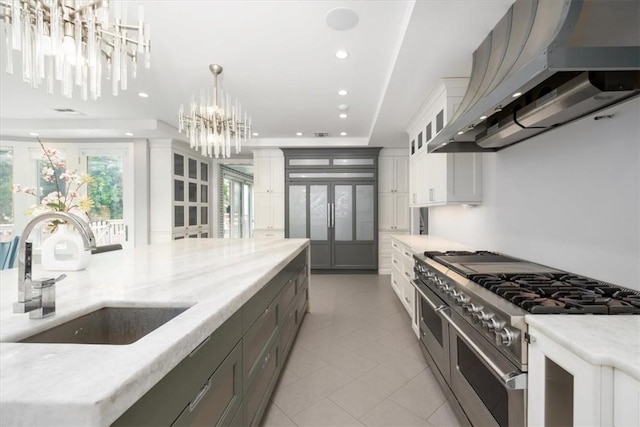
215	123
64	40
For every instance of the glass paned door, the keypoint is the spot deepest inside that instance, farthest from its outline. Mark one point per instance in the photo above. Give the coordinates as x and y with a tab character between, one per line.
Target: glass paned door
298	211
319	212
343	212
112	195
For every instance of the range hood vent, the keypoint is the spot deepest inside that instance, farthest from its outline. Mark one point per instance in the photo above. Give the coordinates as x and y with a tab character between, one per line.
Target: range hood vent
546	63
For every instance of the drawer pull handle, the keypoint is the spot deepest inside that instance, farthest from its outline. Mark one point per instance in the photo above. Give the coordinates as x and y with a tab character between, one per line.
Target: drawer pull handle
266	361
395	262
407	300
407	274
200	395
408	254
195	350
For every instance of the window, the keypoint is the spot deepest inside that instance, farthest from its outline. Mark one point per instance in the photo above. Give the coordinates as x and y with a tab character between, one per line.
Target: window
236	203
6	195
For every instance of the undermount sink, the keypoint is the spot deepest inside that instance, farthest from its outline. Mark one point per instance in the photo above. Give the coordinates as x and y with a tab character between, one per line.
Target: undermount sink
108	325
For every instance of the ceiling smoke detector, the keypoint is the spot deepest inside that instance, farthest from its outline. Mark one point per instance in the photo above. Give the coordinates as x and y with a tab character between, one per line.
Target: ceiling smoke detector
321	134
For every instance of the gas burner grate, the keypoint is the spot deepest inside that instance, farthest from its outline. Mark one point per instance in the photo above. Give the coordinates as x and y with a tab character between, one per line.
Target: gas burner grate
548	293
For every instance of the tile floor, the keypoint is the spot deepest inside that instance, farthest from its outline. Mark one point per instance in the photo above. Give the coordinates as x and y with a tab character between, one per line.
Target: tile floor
356	361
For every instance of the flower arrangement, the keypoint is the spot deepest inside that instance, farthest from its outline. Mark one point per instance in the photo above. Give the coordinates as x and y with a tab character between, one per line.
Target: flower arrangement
67	196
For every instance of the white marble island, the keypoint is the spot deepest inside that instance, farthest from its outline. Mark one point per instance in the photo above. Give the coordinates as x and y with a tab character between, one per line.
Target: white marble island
69	384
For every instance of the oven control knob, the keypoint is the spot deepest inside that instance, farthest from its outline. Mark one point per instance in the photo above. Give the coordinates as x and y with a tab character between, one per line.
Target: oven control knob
491	324
504	337
472	308
461	299
480	316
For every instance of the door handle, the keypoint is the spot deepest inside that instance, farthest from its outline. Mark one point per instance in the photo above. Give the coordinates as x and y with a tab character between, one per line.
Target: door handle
328	215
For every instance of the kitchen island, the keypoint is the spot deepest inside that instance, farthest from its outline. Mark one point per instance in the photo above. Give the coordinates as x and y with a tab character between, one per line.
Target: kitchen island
70	384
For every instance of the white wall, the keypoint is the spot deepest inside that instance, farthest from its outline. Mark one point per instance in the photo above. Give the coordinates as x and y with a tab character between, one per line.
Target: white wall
569	198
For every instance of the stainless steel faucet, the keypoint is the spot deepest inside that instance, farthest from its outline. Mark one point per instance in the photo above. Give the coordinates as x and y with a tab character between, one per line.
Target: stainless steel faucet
38	296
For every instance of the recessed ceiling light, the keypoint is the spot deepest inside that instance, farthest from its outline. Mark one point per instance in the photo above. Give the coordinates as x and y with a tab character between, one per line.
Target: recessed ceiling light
33	134
342	54
255	134
483	117
343	133
343	115
517	94
461	132
343	92
128	133
299	133
143	94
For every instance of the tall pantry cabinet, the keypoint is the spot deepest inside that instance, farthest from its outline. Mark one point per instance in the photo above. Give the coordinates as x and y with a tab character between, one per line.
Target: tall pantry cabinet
393	202
268	193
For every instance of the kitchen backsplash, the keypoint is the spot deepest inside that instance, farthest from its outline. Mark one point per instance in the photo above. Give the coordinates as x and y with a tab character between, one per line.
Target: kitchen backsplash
569	198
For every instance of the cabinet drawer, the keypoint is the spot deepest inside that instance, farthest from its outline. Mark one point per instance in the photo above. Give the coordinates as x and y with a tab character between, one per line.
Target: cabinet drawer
162	404
217	402
287	331
259	391
257	338
288	294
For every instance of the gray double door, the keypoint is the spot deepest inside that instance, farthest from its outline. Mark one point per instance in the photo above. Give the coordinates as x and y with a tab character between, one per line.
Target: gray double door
339	219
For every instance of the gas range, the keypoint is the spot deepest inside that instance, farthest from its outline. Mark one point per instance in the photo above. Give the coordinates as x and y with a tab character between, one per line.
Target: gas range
471	308
493	292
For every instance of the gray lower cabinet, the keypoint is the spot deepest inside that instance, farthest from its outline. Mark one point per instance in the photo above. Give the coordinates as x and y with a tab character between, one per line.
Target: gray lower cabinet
228	379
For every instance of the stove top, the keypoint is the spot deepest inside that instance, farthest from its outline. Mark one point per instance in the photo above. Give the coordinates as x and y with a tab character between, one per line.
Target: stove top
560	293
539	289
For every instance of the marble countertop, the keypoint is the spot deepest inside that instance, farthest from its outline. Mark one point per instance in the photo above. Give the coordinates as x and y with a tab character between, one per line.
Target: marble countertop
66	384
600	340
421	243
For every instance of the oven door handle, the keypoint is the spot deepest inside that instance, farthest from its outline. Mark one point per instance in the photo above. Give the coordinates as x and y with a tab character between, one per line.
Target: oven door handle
512	380
436	308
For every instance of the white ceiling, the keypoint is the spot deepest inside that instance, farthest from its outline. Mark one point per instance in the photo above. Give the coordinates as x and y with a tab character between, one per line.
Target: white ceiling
279	60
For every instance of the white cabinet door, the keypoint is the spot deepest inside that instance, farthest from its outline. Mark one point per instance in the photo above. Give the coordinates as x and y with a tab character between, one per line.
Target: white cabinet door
436	183
261	174
386	179
276	169
277	210
626	400
401	167
262	211
386	220
401	211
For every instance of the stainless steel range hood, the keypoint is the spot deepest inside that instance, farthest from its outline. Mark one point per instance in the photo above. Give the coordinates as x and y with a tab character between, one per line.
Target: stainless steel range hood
546	63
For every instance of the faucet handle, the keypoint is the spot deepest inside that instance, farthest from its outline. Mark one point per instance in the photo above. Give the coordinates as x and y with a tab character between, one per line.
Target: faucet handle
47	282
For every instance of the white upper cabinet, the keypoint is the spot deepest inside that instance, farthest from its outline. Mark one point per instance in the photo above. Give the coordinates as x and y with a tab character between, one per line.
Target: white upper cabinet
393	174
268	172
441	178
268	188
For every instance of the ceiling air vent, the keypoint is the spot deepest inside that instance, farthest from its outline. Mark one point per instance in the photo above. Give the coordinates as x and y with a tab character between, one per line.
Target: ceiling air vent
68	111
321	134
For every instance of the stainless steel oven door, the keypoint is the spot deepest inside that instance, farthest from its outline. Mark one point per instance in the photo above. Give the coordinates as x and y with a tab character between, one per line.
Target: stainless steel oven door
434	333
490	389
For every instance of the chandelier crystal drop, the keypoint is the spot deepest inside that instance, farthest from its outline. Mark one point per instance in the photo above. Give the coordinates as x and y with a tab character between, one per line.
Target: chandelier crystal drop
67	41
216	122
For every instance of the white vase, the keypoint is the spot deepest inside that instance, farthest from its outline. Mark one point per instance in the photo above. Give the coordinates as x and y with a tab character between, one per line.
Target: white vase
72	256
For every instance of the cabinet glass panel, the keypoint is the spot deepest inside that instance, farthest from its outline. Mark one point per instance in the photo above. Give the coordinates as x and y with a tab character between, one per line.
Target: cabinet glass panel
178	164
204	215
352	162
178	216
308	162
178	190
420	140
364	212
440	121
193	192
193	169
204	194
429	132
413	146
343	221
204	172
298	211
193	215
331	175
318	210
